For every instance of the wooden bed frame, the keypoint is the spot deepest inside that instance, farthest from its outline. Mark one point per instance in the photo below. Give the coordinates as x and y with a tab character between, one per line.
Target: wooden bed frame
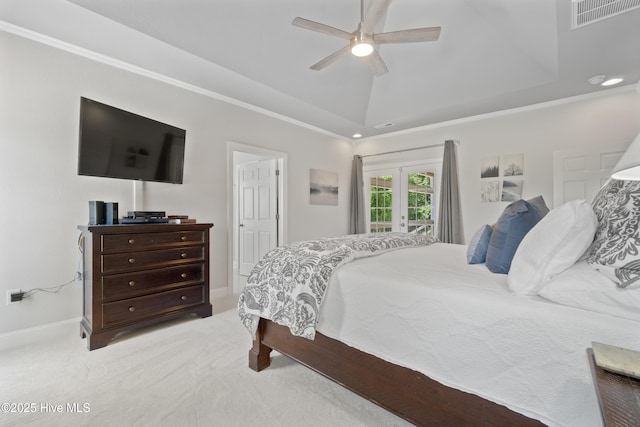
402	391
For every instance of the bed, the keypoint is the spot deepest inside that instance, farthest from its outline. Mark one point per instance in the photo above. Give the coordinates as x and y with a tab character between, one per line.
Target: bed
438	341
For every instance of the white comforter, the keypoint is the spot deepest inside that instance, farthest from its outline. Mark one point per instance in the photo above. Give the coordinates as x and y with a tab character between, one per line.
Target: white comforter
426	309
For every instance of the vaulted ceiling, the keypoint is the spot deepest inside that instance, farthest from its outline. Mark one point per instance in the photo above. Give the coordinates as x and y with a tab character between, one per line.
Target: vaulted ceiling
492	55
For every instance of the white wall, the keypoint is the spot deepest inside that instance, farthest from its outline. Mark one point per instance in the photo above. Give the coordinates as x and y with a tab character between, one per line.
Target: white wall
612	117
43	199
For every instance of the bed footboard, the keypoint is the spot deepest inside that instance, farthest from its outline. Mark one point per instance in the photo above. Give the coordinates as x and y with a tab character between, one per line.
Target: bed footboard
404	392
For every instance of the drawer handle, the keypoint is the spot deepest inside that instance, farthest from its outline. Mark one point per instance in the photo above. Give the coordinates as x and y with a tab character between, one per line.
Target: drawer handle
183	238
132	309
132	283
132	241
183	275
183	297
132	260
183	254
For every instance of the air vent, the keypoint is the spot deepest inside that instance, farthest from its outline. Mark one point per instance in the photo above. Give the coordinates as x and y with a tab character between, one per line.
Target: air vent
584	12
384	125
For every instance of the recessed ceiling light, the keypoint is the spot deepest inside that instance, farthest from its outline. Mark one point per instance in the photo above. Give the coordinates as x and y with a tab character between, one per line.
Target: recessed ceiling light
596	80
357	135
612	81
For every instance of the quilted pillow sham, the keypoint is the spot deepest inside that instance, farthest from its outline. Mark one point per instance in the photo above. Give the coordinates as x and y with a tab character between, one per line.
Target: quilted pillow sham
579	287
515	222
552	246
615	251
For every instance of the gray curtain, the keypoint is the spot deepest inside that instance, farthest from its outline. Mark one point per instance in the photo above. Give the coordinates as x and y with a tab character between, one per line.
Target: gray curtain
450	213
357	223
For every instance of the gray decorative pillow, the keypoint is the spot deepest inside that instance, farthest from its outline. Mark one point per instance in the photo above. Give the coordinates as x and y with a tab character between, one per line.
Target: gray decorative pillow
615	251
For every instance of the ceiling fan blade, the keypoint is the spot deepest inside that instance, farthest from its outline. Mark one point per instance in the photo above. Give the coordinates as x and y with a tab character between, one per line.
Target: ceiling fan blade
330	59
320	28
376	63
408	36
375	12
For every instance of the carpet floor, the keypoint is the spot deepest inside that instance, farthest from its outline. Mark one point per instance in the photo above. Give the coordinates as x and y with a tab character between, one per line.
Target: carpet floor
185	372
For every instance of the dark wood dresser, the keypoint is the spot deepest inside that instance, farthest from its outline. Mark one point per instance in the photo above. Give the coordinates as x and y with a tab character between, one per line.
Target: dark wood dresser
136	275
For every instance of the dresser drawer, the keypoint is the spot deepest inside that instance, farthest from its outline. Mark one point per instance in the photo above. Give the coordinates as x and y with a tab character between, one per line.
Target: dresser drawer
134	309
118	286
131	261
140	241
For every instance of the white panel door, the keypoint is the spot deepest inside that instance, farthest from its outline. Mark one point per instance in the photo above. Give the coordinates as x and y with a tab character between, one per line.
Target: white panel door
579	174
257	184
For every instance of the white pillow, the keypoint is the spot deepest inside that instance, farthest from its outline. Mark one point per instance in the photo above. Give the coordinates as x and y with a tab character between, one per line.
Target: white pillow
580	287
552	246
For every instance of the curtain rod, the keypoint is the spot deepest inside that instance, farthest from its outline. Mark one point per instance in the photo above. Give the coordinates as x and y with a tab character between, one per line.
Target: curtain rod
409	149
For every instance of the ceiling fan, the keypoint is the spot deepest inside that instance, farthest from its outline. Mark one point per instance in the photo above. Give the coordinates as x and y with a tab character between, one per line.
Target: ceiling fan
363	40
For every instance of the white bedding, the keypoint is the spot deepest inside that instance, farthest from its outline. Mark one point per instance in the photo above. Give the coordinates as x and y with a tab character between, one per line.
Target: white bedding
427	309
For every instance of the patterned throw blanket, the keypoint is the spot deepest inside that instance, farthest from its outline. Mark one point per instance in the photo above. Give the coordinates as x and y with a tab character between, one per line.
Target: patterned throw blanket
288	284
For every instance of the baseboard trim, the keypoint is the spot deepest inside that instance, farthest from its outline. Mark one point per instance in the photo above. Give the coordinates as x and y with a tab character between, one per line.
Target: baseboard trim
219	293
22	337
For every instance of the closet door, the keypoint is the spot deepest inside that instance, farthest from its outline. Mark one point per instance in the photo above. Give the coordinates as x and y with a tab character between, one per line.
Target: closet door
257	185
579	174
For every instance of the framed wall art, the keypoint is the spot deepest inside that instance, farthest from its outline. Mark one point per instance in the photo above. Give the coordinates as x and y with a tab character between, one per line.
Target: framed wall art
323	187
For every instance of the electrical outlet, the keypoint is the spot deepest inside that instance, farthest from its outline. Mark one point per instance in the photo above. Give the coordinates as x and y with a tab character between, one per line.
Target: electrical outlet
11	292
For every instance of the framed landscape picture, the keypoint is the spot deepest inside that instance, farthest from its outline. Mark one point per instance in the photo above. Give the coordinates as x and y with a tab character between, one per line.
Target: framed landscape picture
490	167
511	190
513	165
490	191
323	187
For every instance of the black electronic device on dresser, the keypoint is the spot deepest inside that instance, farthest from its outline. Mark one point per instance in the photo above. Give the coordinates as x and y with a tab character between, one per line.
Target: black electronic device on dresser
136	275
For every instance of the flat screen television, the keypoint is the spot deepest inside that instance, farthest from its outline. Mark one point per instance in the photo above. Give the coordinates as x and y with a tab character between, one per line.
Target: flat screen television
118	144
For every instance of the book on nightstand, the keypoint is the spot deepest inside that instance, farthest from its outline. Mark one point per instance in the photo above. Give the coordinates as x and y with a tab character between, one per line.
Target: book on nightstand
180	219
617	359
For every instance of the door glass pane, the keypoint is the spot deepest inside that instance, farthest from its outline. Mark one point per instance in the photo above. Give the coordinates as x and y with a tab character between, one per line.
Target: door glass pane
381	211
419	197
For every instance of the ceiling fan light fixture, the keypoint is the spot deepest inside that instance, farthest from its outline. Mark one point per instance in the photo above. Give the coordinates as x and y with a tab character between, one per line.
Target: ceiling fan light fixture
361	44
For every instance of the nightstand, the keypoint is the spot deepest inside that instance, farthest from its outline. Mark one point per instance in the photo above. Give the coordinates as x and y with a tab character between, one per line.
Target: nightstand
618	396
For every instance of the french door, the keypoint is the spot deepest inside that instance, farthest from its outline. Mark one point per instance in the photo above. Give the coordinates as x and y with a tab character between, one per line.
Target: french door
401	199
